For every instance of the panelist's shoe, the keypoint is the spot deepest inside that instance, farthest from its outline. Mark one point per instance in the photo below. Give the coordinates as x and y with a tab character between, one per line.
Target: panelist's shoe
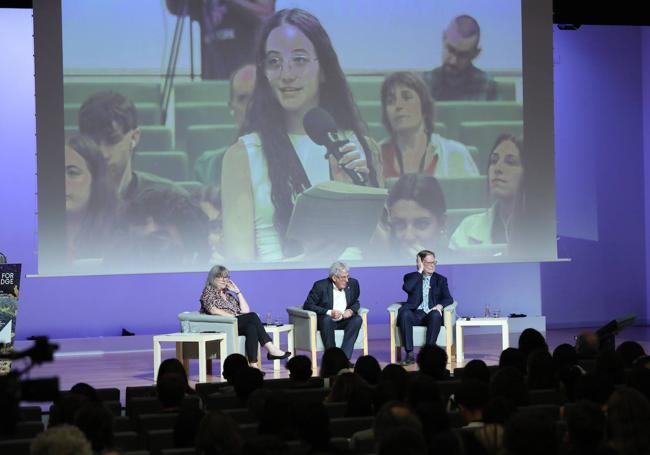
286	355
409	360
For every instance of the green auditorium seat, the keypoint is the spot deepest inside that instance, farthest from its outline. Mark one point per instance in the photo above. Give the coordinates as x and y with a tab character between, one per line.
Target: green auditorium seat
198	91
365	88
482	135
155	138
453	113
208	137
148	113
377	131
506	90
138	92
199	113
208	165
475	156
370	111
171	165
455	216
464	192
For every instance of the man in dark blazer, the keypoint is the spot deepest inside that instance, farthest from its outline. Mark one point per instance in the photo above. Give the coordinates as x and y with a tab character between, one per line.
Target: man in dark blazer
335	300
428	294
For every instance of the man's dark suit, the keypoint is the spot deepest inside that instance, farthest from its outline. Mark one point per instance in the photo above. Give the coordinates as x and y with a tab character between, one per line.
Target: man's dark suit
321	299
409	315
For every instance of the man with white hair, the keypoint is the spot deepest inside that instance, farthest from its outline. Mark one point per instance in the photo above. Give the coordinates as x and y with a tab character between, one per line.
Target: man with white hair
335	300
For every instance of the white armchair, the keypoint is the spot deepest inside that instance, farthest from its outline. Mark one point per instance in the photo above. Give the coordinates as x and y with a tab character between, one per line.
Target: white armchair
445	337
307	337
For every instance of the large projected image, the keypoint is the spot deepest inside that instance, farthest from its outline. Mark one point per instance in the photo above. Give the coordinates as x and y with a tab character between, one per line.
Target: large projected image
295	134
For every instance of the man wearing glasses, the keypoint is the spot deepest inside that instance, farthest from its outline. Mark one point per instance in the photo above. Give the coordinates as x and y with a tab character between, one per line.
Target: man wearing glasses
458	78
428	294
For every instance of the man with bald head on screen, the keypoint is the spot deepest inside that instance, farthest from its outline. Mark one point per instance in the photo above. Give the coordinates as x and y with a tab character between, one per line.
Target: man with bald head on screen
458	78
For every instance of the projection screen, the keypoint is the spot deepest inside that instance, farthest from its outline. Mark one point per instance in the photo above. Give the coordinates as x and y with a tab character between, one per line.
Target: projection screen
171	134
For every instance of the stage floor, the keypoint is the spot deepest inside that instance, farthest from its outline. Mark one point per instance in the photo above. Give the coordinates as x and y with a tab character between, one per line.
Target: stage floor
128	361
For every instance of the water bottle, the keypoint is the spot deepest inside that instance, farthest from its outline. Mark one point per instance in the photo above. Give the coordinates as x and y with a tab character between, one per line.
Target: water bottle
487	311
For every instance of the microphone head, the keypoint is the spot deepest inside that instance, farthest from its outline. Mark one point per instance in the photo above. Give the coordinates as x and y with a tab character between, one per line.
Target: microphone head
318	123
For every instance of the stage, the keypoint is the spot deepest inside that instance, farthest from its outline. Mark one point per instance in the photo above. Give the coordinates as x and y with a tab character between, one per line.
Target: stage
128	361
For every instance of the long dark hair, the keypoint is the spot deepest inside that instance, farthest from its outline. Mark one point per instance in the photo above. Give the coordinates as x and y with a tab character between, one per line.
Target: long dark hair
100	211
423	189
520	198
265	115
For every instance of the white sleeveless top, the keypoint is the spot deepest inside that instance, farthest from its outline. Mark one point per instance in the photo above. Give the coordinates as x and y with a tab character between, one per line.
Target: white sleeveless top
312	158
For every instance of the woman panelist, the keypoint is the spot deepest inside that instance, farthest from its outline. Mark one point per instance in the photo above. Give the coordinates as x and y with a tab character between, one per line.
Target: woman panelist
222	297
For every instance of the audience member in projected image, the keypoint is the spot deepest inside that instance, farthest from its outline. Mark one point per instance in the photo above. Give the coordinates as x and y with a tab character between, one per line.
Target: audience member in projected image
274	159
413	146
110	119
222	297
416	217
458	78
228	30
209	200
166	231
497	226
207	167
89	203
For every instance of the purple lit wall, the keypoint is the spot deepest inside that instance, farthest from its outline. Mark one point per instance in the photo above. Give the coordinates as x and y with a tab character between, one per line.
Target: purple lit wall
599	139
599	86
645	71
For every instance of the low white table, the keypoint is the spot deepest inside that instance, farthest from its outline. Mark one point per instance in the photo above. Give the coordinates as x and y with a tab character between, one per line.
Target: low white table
479	322
275	331
179	338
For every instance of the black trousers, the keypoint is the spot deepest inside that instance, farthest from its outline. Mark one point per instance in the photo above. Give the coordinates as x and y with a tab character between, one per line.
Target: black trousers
350	326
249	325
407	318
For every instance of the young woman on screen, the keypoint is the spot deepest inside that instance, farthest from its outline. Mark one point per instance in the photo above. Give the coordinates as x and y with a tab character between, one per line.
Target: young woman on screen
274	160
416	216
413	146
222	297
497	225
89	205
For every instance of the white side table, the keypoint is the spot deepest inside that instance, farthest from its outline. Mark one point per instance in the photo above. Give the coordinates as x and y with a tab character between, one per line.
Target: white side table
479	322
275	331
179	338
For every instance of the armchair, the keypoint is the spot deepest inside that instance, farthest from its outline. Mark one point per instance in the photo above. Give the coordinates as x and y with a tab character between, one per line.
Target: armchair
445	337
194	321
307	336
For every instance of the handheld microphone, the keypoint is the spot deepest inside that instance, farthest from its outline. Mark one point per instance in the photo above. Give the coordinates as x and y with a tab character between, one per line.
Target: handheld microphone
320	127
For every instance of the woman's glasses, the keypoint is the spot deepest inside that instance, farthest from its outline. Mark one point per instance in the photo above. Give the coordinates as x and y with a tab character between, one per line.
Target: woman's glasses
298	64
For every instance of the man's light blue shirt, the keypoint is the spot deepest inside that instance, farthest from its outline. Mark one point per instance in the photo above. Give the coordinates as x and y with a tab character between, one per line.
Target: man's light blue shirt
424	306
